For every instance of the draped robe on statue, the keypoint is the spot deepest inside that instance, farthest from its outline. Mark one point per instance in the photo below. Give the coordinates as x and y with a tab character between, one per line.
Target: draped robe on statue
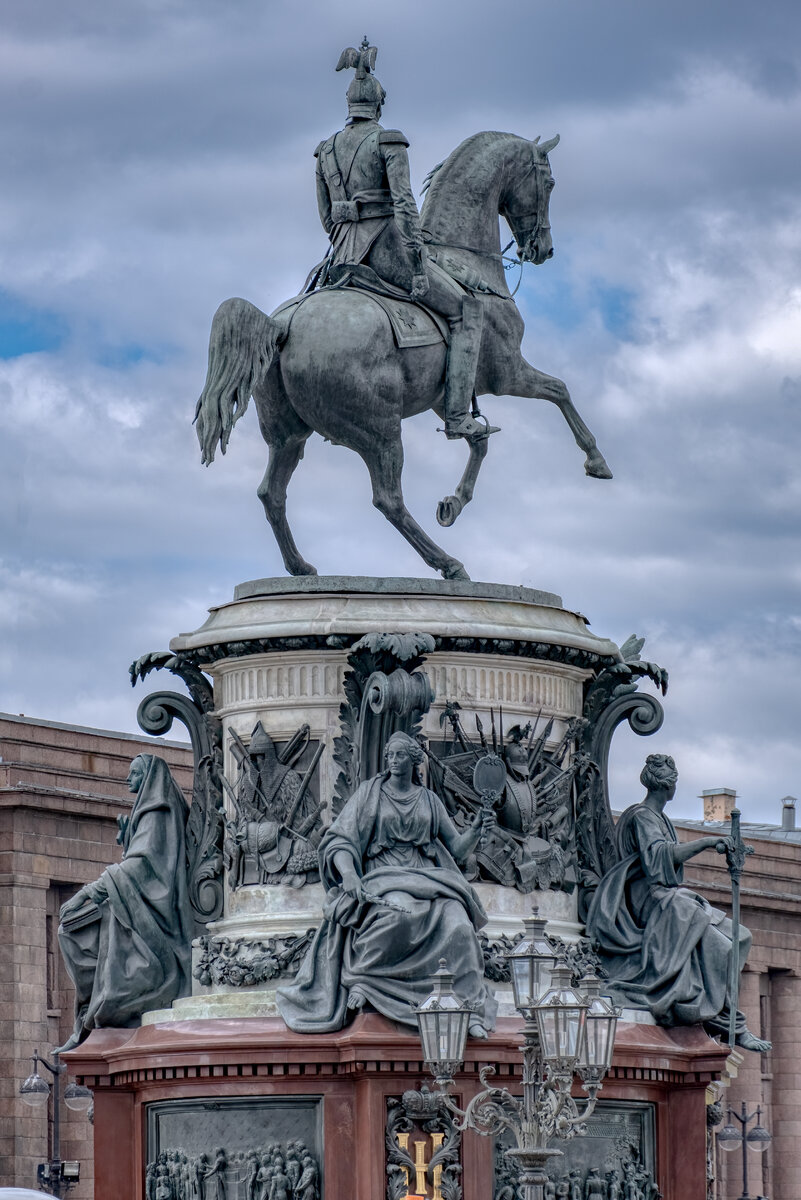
662	946
388	955
129	949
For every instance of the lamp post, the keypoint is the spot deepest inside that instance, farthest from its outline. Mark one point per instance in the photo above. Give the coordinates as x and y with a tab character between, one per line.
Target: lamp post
54	1175
757	1139
566	1032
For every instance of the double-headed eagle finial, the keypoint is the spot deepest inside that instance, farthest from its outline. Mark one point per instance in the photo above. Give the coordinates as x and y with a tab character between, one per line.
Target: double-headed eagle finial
365	94
362	59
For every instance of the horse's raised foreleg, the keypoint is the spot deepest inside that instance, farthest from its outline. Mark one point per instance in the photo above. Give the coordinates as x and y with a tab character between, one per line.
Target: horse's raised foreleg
385	464
528	381
449	508
284	457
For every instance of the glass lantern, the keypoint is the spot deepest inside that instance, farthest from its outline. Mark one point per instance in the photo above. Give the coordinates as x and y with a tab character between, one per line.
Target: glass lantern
531	964
599	1042
77	1097
758	1139
35	1091
443	1020
729	1137
561	1016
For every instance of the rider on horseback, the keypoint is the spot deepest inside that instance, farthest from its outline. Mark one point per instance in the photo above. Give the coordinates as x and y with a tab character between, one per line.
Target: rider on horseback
368	211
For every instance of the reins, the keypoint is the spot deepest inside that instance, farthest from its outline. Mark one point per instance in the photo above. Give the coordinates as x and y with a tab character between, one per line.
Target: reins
430	241
507	263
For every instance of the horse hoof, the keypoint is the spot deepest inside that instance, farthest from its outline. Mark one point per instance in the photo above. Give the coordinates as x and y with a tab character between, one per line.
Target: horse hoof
448	510
596	467
302	568
454	571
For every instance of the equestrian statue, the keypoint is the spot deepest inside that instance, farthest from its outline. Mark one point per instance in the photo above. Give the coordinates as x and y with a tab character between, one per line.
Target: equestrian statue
407	312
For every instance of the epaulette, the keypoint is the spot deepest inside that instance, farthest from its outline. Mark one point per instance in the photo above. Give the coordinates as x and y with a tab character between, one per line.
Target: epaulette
319	147
392	135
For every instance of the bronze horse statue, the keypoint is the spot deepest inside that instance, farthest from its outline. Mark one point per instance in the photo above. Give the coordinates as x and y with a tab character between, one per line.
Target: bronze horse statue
334	367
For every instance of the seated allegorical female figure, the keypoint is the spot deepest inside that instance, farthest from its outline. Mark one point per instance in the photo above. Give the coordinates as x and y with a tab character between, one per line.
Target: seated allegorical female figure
662	946
397	903
127	938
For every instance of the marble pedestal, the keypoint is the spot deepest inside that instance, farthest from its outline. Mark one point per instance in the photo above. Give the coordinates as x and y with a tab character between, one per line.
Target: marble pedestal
278	654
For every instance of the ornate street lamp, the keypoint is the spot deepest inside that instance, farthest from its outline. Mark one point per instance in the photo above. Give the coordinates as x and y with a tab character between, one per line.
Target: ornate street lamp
566	1032
757	1139
54	1174
531	964
561	1015
599	1039
442	1020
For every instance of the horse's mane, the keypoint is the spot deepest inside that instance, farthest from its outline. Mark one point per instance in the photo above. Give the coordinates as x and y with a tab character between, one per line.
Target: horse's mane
429	177
467	145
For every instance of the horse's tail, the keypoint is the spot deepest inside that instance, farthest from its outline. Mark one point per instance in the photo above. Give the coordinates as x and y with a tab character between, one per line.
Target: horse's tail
242	345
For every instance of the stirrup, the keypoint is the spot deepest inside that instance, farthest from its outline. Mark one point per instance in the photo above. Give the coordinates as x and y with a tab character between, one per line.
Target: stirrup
470	427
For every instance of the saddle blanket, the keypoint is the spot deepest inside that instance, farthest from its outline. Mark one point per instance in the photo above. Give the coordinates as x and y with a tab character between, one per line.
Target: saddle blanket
412	324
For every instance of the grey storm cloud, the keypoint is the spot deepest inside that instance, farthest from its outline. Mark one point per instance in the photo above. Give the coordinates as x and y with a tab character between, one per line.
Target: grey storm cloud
158	158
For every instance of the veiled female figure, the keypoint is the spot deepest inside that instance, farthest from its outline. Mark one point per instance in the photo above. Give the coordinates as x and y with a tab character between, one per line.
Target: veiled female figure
397	903
664	947
127	937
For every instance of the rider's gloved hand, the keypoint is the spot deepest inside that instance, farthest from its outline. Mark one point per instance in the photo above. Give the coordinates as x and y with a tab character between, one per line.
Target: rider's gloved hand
419	286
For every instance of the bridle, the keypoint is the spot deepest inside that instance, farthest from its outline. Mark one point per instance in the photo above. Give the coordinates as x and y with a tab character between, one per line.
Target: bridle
524	236
521	236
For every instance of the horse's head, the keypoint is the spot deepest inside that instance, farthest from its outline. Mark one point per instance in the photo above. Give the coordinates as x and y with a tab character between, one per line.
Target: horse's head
524	204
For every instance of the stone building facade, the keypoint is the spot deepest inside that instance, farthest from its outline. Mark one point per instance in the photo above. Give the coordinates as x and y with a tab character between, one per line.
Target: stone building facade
61	790
770	898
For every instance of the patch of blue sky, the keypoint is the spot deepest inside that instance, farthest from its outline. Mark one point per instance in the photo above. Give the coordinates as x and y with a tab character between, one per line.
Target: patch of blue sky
129	354
555	301
616	306
553	296
27	330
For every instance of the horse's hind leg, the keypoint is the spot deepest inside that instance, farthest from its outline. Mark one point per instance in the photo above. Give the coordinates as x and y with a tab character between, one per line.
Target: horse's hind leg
284	457
385	464
528	381
449	508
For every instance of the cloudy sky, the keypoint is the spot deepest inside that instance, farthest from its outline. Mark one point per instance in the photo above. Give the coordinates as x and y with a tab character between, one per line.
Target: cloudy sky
157	158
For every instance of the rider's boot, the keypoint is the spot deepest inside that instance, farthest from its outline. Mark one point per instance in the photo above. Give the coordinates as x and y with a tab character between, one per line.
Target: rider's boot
460	375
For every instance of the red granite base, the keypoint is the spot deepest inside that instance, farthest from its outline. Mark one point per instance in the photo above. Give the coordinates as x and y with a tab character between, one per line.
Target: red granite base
356	1071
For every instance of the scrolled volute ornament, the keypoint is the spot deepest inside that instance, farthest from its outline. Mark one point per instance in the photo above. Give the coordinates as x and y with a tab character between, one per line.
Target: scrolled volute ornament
400	692
385	693
491	1111
204	829
611	698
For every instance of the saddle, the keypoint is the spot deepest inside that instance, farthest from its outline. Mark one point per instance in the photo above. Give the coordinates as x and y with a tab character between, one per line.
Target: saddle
412	323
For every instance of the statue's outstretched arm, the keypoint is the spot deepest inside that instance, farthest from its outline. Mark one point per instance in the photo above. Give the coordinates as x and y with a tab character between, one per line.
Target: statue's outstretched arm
685	850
